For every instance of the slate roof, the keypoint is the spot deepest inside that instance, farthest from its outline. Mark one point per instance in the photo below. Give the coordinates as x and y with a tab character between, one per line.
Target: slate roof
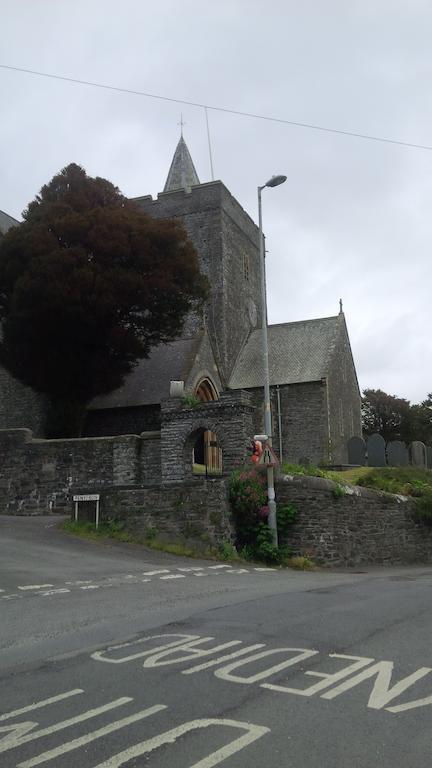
6	222
298	352
182	173
149	382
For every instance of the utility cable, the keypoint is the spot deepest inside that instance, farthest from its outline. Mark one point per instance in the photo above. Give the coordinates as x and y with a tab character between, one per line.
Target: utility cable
296	123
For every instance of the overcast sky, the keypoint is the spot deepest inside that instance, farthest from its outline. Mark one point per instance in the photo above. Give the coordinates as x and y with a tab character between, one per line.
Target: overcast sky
354	218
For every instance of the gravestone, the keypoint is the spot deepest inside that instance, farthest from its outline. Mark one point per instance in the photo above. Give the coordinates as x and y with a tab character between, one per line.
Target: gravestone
397	454
357	451
418	454
429	456
376	451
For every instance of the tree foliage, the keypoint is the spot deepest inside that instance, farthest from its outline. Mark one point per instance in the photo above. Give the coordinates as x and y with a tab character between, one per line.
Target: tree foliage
88	285
395	418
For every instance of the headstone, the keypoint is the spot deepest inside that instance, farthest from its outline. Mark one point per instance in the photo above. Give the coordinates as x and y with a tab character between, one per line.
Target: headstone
418	454
429	456
357	451
397	454
376	451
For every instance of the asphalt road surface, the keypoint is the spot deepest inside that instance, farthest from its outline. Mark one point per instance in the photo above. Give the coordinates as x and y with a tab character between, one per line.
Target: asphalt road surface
114	655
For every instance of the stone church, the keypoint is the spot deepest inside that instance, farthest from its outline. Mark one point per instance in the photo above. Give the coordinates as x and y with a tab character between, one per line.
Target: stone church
314	389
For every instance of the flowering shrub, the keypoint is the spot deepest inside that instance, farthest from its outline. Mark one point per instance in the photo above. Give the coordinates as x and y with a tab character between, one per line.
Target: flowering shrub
250	510
248	497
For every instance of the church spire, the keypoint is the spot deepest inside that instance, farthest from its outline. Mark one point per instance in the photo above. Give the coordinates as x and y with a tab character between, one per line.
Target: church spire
182	173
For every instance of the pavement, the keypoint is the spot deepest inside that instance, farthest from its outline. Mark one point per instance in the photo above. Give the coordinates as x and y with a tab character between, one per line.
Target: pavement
115	655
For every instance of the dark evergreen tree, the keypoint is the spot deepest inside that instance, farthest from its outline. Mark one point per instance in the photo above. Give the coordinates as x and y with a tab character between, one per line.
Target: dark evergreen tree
88	285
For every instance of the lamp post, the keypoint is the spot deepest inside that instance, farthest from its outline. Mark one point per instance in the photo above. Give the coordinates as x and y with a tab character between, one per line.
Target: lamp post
273	182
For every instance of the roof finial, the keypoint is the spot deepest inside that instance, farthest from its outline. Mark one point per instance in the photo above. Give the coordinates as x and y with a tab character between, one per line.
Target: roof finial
181	124
340	307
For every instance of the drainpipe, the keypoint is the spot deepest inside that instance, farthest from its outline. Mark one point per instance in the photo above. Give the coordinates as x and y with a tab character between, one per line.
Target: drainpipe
279	423
330	454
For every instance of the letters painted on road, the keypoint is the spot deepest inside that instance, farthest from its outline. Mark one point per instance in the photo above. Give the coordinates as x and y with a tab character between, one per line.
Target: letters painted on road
330	686
18	734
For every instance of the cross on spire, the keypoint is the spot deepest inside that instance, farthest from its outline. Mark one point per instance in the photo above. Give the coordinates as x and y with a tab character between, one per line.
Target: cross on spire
181	123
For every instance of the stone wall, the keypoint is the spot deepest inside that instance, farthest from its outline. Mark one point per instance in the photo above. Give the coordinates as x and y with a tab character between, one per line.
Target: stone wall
196	512
36	476
230	418
362	526
303	420
20	406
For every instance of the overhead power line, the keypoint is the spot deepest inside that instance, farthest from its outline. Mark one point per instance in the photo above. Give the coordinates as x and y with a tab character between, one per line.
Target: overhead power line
296	123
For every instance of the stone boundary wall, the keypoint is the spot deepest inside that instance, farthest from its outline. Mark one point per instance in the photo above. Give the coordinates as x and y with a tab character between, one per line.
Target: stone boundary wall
362	526
36	476
195	512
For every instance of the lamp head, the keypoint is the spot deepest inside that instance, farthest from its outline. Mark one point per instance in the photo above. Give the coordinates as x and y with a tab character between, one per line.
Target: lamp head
275	181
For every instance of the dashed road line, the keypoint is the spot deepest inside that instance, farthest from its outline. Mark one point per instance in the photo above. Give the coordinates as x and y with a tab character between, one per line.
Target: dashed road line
36	586
163	574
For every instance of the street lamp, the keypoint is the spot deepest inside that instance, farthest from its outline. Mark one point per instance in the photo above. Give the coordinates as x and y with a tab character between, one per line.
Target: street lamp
273	182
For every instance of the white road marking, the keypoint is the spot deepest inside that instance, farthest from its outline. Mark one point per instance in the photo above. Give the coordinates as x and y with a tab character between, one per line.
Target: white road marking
11	742
145	580
253	732
381	693
90	586
228	657
172	576
89	737
191	569
216	567
265	570
76	583
36	586
225	672
10	597
41	703
237	571
155	573
201	574
97	655
329	679
188	650
49	592
2	590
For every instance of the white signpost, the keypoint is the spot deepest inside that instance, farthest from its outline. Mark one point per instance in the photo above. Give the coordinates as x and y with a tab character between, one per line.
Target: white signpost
87	497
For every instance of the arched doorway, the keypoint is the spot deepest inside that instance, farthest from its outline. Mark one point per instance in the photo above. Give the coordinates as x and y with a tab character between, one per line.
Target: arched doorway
207	455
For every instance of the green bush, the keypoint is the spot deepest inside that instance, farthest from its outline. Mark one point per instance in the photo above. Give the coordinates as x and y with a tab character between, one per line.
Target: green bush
250	511
338	491
227	551
299	469
191	401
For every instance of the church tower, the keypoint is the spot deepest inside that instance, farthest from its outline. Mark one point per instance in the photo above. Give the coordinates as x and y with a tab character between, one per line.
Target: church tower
227	243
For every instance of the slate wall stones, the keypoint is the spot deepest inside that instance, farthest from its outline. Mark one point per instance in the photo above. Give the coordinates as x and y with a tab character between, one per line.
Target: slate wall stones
361	527
36	476
230	418
357	451
196	511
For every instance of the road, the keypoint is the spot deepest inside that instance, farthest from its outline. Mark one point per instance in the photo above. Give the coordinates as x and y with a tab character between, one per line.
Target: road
113	655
